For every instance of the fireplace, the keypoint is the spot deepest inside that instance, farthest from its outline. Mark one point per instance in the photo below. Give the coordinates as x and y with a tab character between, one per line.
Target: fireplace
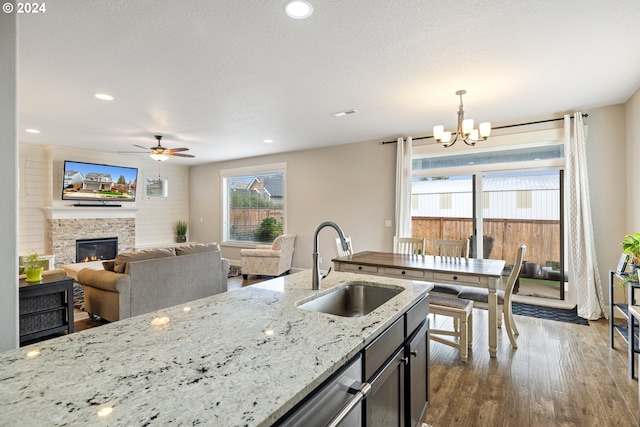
96	249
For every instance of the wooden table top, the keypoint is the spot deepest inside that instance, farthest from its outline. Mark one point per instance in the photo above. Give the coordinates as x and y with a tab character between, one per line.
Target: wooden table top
478	267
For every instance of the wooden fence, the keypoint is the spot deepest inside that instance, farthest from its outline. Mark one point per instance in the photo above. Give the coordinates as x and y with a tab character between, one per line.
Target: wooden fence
245	221
502	236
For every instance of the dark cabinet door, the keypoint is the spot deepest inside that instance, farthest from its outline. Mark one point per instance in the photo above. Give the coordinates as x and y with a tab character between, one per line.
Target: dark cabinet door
385	405
418	375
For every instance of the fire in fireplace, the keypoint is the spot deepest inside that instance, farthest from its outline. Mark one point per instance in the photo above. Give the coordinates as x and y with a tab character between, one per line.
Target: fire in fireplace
96	249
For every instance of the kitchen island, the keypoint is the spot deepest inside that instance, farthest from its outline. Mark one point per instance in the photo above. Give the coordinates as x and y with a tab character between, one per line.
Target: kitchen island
241	358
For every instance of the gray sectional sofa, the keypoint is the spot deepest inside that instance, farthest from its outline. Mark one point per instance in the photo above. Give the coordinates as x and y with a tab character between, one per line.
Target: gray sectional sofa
140	282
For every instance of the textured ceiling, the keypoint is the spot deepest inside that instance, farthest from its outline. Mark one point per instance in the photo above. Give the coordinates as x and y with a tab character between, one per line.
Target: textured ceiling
220	76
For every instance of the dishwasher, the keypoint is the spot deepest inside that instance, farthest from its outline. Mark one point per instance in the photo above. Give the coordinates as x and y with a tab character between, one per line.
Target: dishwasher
337	402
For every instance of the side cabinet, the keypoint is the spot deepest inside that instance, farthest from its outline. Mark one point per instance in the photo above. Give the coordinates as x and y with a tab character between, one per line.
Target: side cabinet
384	368
385	405
394	369
46	307
628	329
396	364
417	355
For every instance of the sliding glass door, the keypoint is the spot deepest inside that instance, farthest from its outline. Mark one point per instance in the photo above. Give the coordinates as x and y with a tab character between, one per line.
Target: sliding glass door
525	207
442	208
498	199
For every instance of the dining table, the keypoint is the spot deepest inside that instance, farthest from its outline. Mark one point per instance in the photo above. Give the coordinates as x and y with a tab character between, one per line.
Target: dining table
482	273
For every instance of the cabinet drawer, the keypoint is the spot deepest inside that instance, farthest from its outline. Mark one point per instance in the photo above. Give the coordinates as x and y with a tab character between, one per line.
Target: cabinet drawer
410	274
376	353
36	303
361	268
456	278
37	322
416	315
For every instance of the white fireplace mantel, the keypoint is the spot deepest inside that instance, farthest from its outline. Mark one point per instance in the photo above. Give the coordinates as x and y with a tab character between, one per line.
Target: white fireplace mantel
79	212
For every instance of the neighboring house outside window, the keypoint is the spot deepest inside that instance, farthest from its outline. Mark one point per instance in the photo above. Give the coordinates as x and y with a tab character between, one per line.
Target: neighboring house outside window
254	203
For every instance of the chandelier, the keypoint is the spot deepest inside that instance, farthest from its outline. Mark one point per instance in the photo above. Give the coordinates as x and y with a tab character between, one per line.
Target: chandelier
465	130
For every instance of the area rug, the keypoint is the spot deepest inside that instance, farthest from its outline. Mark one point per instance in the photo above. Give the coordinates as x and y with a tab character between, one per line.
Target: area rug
548	313
78	296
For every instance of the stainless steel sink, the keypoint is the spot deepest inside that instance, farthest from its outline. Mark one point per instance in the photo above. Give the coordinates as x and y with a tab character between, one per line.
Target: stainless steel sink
352	299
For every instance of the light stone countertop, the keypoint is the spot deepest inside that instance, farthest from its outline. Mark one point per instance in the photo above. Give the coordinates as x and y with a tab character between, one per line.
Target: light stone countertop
241	358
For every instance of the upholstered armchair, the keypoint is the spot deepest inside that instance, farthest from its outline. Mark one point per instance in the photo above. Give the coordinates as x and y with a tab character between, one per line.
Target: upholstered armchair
269	260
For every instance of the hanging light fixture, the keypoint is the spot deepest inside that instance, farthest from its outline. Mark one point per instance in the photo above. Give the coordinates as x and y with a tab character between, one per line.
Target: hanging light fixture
465	129
159	156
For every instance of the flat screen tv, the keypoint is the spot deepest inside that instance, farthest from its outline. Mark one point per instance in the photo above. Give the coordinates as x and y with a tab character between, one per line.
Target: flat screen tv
91	182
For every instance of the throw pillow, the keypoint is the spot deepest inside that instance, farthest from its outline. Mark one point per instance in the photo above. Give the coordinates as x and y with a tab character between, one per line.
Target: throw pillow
196	248
109	265
122	259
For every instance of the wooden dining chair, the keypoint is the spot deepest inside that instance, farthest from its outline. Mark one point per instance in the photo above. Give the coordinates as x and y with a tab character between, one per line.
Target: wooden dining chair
451	248
340	251
480	297
461	313
409	245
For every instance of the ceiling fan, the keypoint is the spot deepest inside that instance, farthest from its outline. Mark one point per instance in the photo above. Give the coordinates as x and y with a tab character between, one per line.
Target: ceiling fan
161	153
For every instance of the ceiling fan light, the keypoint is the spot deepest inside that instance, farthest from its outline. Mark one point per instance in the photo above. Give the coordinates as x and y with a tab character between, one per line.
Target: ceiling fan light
159	157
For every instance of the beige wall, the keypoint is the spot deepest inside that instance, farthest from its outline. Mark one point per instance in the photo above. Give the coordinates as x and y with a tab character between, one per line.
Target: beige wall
9	179
607	185
352	185
632	155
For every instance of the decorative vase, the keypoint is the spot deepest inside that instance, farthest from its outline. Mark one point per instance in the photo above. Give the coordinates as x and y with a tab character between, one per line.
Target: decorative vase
33	274
181	238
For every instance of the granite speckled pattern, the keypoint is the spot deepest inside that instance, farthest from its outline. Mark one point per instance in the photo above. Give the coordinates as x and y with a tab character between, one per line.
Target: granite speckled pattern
241	358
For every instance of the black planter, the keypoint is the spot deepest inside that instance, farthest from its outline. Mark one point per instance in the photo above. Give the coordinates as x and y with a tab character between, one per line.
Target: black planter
181	239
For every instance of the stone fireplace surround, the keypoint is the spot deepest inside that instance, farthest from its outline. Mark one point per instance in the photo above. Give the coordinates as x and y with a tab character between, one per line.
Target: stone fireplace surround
66	224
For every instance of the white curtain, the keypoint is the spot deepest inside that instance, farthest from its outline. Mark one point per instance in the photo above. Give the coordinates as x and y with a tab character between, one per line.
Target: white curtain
403	188
582	251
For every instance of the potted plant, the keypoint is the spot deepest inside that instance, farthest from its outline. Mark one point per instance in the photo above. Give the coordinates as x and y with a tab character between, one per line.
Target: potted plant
181	231
32	267
631	245
631	277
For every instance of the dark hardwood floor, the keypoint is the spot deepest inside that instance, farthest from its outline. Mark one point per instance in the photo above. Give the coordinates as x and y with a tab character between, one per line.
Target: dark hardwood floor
561	375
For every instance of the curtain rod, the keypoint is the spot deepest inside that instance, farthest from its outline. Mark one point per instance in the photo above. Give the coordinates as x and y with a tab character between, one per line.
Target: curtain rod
584	115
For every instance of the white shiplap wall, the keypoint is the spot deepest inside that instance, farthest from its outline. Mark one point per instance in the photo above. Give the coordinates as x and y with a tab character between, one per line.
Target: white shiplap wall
40	178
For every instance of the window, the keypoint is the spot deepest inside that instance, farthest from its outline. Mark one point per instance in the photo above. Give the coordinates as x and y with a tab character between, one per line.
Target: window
254	203
486	200
446	201
523	199
545	152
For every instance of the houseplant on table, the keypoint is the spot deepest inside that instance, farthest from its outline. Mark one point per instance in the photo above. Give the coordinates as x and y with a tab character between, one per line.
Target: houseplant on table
33	267
631	245
181	231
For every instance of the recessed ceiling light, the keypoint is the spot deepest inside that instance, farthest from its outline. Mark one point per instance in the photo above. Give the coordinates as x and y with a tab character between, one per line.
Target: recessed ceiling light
268	141
32	130
103	412
104	96
345	113
298	9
